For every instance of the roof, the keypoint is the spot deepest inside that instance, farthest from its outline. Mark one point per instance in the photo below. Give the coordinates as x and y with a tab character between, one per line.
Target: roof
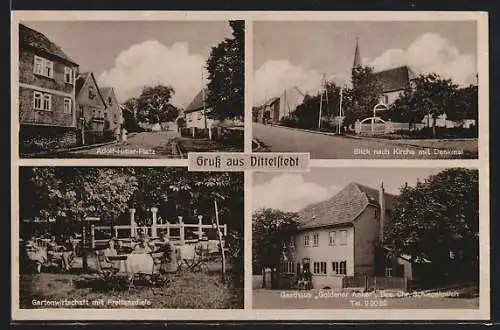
343	208
34	39
394	79
197	103
80	82
105	90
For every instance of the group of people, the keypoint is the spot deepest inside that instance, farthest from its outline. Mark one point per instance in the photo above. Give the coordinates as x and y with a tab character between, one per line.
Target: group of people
120	134
143	245
53	252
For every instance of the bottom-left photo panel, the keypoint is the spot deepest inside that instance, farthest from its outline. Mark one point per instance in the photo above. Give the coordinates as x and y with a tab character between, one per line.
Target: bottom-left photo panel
130	237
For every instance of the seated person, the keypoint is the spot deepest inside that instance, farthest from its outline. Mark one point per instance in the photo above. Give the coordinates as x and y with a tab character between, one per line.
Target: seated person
62	255
143	246
109	252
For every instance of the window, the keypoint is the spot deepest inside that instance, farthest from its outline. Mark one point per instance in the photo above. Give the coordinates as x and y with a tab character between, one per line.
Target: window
67	105
339	268
343	268
38	66
331	238
47	102
48	69
315	239
43	67
388	271
307	264
92	93
291	243
37	100
306	240
288	267
110	101
319	267
343	237
106	115
68	75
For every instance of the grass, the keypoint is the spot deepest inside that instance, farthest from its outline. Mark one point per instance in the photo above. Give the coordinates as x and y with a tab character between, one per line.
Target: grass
202	290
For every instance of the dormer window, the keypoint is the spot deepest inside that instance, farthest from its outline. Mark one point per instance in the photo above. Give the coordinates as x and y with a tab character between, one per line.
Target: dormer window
92	93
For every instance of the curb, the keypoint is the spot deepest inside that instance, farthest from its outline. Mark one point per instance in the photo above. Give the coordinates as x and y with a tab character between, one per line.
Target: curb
370	138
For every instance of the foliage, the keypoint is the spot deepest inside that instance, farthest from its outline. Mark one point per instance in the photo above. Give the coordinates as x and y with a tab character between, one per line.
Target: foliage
272	232
430	96
225	68
73	193
153	105
359	101
436	216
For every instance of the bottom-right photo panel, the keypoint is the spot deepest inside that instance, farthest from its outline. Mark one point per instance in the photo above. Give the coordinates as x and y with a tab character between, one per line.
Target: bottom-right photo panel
351	238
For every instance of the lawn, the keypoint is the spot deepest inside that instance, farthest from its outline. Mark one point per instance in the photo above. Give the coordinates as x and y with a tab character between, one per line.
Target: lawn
187	290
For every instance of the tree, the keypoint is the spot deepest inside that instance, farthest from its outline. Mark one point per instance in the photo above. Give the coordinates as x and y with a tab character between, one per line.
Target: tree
465	104
306	114
359	101
437	216
226	66
272	232
429	96
153	105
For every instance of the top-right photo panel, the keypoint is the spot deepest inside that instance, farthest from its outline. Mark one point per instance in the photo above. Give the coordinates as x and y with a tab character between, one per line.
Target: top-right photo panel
367	90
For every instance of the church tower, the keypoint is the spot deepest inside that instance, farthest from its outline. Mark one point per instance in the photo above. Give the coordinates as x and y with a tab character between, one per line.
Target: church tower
357	58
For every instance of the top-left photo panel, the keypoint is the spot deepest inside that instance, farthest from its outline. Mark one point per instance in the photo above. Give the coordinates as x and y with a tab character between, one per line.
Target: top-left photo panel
128	89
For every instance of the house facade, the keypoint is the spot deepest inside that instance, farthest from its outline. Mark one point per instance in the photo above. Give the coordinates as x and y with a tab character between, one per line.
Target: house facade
339	237
91	105
113	117
196	113
279	107
46	86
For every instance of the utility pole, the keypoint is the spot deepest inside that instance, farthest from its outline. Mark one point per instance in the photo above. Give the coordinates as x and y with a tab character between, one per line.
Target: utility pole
203	98
323	90
340	110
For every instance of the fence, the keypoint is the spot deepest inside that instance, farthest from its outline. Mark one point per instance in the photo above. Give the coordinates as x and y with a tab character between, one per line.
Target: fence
369	283
174	231
383	127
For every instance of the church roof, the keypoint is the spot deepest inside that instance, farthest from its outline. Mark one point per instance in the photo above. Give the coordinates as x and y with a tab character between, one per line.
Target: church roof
343	208
394	79
34	39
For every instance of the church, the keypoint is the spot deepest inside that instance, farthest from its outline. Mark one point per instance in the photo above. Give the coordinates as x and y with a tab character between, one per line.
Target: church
392	81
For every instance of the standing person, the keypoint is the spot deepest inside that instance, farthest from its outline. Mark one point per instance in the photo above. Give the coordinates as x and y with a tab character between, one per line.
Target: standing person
117	134
124	135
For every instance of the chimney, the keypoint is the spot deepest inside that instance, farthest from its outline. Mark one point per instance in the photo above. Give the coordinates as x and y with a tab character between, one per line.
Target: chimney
382	213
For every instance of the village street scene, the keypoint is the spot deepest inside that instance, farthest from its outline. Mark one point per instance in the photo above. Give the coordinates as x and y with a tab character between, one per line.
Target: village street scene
354	238
352	92
130	89
130	237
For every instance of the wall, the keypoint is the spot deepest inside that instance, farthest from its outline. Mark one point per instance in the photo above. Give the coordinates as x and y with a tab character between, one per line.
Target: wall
26	75
366	230
392	96
86	106
54	117
113	111
196	119
327	253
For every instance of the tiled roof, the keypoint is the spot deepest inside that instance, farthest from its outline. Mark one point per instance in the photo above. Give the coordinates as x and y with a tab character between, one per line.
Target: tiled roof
32	38
197	103
343	208
394	79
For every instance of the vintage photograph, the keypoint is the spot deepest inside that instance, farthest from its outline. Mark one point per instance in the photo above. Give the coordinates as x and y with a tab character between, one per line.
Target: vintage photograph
130	237
361	89
351	238
133	89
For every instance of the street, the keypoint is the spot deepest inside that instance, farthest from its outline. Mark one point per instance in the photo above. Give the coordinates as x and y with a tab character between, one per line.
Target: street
321	146
138	145
321	299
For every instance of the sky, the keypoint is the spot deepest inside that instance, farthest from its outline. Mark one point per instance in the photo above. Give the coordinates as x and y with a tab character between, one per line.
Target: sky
290	54
294	191
130	55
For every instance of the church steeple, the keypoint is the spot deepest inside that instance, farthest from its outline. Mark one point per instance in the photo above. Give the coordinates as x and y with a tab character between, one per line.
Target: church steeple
357	57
